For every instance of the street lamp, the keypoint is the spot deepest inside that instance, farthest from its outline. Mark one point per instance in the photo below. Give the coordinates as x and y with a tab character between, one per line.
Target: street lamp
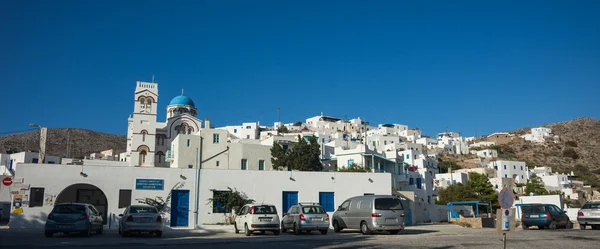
43	131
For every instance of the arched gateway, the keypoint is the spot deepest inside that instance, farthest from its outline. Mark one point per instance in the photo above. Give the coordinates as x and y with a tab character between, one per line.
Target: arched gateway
85	193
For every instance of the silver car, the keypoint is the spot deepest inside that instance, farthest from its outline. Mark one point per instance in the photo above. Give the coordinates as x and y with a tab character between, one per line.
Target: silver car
74	218
589	215
370	213
305	217
140	219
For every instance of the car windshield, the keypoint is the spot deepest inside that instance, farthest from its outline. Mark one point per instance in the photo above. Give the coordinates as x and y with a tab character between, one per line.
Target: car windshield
388	204
591	206
264	209
142	210
533	209
313	210
69	209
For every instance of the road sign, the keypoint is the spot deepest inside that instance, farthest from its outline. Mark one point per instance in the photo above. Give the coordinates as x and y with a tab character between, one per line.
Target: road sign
505	220
7	181
506	198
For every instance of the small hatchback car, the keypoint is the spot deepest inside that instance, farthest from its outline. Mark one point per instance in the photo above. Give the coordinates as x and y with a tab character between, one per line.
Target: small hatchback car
74	218
544	216
140	219
305	217
589	215
253	218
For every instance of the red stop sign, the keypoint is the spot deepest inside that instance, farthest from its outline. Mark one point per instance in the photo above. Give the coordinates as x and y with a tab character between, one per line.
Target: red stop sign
7	181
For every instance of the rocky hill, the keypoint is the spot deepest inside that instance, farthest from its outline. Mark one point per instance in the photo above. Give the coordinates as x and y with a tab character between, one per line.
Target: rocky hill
83	142
577	149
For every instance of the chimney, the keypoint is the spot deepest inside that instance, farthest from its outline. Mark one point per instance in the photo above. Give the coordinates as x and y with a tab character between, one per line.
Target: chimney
207	123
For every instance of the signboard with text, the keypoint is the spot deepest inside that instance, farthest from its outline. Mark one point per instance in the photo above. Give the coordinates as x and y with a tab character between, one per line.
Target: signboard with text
149	184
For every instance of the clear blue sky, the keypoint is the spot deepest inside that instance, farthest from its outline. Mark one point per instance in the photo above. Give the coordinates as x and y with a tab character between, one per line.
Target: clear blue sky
485	65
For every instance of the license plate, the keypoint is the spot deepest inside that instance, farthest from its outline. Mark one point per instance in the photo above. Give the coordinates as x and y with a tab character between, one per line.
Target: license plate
264	219
317	219
65	226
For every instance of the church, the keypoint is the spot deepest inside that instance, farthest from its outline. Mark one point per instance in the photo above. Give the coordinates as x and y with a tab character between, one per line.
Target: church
149	140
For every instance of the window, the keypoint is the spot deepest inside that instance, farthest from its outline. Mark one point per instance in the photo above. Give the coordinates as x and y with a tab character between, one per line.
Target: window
35	160
51	162
388	204
344	206
217	205
190	166
248	127
419	183
326	200
285	147
415	156
521	167
504	166
407	156
124	198
188	143
505	176
36	197
496	186
217	163
234	130
244	164
384	142
514	166
261	164
496	167
350	162
411	181
215	138
521	176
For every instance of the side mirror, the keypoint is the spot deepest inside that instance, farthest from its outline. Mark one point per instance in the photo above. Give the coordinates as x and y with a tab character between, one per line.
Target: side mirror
284	214
120	215
565	212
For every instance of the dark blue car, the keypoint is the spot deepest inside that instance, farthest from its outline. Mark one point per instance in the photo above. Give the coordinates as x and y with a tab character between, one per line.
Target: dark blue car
74	218
544	216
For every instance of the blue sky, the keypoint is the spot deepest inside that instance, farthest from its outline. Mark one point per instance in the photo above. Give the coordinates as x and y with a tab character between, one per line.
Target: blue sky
466	65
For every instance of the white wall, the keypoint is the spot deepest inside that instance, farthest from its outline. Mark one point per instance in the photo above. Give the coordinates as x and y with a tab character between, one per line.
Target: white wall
512	167
262	186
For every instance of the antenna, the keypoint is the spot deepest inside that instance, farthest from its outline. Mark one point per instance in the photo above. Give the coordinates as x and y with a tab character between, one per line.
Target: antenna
278	115
181	91
152	78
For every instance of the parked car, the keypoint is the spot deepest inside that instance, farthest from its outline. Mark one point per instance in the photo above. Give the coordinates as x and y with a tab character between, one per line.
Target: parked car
305	217
544	216
140	219
74	218
589	215
370	213
254	218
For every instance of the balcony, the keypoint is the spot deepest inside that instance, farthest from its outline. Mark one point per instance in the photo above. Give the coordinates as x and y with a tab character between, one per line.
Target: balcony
169	156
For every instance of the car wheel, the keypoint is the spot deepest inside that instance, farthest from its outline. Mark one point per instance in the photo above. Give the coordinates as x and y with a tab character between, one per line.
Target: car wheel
525	227
158	234
297	229
125	234
235	229
364	229
336	226
324	231
48	234
394	231
582	227
282	228
246	230
277	232
88	233
552	225
541	227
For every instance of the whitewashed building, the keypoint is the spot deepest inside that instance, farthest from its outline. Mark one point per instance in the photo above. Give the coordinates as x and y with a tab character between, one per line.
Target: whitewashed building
511	169
538	134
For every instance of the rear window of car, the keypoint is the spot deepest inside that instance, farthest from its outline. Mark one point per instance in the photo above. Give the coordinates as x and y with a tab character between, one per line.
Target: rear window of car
313	210
142	210
591	206
533	209
69	209
264	209
388	204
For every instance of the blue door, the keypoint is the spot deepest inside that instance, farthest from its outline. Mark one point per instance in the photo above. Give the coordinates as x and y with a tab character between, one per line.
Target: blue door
326	200
289	199
407	217
180	206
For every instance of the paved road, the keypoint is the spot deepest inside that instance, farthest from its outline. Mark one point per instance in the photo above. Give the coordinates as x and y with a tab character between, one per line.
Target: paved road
426	236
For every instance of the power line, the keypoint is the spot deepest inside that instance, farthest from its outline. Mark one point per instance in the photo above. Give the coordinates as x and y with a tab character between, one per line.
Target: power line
11	132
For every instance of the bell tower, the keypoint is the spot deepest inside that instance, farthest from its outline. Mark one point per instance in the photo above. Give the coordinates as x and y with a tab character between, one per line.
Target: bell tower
141	130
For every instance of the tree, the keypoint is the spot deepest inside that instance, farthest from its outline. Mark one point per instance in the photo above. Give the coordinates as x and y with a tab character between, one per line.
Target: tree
304	156
445	165
354	168
282	129
299	123
536	186
454	193
278	156
480	185
228	201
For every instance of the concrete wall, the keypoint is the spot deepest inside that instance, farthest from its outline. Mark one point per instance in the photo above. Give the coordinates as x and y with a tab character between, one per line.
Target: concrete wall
262	186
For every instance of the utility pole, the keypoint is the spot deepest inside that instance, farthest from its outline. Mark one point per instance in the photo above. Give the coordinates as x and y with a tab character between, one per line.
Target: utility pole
43	133
68	142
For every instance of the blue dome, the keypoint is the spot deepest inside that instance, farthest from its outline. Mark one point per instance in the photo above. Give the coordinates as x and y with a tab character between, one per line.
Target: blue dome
182	100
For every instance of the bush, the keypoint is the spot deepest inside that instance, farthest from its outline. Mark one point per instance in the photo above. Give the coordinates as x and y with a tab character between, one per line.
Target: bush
571	143
570	153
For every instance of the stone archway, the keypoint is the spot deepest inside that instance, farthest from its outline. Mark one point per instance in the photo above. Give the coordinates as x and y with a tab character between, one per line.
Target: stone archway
85	193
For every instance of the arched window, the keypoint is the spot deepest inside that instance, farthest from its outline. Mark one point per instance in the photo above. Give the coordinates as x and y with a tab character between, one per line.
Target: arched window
144	133
142	100
161	156
143	154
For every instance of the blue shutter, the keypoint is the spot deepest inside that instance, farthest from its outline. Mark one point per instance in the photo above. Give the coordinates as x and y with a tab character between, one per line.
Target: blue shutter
289	199
419	183
326	199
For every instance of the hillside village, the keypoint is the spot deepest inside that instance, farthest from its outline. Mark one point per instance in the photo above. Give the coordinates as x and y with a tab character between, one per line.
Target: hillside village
421	167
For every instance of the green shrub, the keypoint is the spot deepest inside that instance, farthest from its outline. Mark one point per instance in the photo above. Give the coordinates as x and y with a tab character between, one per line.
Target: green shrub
570	152
571	143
